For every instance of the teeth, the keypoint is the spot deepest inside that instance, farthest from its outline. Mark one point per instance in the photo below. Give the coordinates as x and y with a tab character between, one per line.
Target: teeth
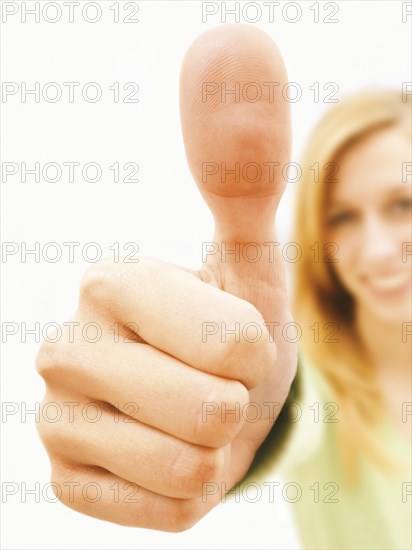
389	283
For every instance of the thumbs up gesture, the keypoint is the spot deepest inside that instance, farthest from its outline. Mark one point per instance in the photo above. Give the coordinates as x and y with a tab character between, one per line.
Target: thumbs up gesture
191	370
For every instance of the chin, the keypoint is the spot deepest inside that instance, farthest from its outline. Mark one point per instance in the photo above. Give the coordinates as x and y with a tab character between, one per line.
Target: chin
393	313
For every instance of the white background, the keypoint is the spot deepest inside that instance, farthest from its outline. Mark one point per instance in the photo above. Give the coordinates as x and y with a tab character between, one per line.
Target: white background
163	213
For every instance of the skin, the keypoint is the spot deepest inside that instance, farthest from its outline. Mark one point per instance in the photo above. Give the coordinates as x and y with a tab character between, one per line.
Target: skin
167	369
163	447
369	217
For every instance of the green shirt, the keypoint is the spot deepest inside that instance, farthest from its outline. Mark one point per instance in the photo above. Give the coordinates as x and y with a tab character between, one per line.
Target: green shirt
373	513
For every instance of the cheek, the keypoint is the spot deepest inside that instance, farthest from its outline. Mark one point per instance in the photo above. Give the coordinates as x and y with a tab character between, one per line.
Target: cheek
347	256
403	240
347	244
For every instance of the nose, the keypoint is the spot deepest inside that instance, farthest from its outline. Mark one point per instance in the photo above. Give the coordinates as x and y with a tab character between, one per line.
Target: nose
379	245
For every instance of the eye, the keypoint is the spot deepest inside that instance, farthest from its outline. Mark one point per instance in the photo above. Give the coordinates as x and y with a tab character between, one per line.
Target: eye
340	218
401	206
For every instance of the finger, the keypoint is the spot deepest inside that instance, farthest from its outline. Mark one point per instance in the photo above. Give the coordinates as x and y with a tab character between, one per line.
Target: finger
150	386
176	312
134	451
225	131
103	495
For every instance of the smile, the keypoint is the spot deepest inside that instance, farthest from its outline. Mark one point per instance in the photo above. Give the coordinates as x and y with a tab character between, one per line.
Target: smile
390	285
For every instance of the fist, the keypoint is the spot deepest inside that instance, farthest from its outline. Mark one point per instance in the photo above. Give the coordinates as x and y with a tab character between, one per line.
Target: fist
153	432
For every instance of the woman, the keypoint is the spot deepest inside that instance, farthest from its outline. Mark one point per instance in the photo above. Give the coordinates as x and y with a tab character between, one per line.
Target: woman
349	453
160	362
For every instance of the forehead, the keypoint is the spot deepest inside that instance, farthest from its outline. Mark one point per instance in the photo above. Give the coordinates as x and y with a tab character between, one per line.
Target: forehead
372	166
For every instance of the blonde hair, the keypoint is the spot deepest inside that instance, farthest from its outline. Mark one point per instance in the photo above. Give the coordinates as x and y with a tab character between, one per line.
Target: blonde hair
318	294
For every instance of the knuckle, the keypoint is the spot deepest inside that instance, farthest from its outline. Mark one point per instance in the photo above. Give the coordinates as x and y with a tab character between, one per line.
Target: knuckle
235	393
208	465
97	282
185	515
49	357
220	419
63	478
103	280
251	354
250	313
58	358
195	466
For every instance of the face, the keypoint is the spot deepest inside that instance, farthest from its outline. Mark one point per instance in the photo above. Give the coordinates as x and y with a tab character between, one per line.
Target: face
368	215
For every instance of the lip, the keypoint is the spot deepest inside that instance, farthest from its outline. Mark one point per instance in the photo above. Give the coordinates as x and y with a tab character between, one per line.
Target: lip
389	286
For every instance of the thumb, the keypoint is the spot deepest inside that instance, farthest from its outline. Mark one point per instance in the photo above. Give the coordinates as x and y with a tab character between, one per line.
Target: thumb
236	130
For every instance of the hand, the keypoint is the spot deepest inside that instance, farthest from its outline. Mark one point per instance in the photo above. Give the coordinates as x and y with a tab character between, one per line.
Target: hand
167	371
